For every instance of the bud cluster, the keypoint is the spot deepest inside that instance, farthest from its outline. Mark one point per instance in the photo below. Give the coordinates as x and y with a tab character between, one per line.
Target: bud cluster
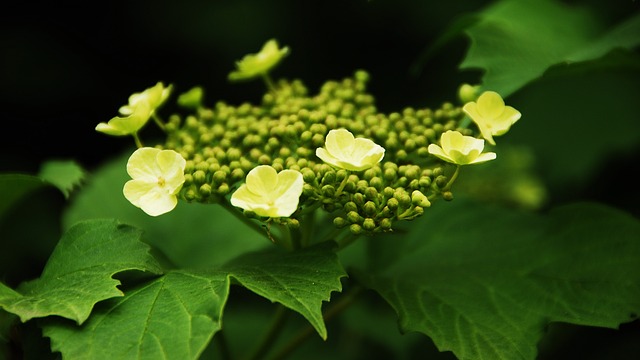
223	143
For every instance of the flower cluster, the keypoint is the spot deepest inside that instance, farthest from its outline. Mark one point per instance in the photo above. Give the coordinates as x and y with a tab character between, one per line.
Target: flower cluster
296	152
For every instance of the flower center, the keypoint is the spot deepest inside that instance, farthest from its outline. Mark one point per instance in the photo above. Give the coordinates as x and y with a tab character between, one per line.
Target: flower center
161	181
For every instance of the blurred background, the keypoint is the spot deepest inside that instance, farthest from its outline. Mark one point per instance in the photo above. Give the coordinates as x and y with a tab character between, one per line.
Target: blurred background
66	67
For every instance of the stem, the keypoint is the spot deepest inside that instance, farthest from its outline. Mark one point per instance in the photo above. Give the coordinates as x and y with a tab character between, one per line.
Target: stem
158	121
452	179
335	309
230	208
342	185
137	140
273	332
269	83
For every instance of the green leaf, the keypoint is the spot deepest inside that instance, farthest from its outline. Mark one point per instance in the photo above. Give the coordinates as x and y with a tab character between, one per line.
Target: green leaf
174	316
79	272
299	280
14	186
192	235
171	317
516	41
483	282
64	174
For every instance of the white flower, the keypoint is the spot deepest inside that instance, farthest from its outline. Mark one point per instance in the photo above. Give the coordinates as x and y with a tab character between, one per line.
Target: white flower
459	149
344	151
269	193
157	176
491	115
253	65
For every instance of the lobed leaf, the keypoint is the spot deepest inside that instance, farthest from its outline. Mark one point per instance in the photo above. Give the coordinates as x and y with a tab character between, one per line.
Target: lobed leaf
79	272
65	175
299	280
485	282
515	42
175	315
171	317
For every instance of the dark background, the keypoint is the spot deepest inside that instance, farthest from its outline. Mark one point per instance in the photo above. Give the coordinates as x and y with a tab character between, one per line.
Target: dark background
65	67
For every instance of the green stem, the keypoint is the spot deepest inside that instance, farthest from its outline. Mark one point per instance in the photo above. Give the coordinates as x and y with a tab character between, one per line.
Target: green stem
136	138
342	185
452	179
270	85
252	224
158	121
277	325
334	310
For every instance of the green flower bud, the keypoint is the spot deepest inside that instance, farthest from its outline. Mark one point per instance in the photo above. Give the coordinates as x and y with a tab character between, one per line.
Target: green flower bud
447	195
359	199
190	194
441	181
329	177
237	174
390	174
393	203
385	224
340	222
306	136
354	217
371	193
328	191
205	190
219	176
376	183
369	224
370	208
199	177
188	180
419	199
292	223
350	206
355	229
308	175
223	189
308	190
264	159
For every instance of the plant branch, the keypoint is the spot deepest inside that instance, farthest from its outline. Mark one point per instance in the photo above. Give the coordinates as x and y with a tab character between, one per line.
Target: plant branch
302	336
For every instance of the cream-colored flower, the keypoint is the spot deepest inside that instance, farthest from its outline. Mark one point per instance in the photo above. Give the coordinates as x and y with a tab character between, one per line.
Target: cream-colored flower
461	150
345	151
157	177
126	125
154	97
491	115
253	65
137	113
269	193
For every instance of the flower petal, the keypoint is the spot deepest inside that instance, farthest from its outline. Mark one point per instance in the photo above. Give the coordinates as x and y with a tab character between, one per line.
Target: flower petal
490	104
340	143
157	202
142	164
133	190
484	157
262	180
325	156
288	192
